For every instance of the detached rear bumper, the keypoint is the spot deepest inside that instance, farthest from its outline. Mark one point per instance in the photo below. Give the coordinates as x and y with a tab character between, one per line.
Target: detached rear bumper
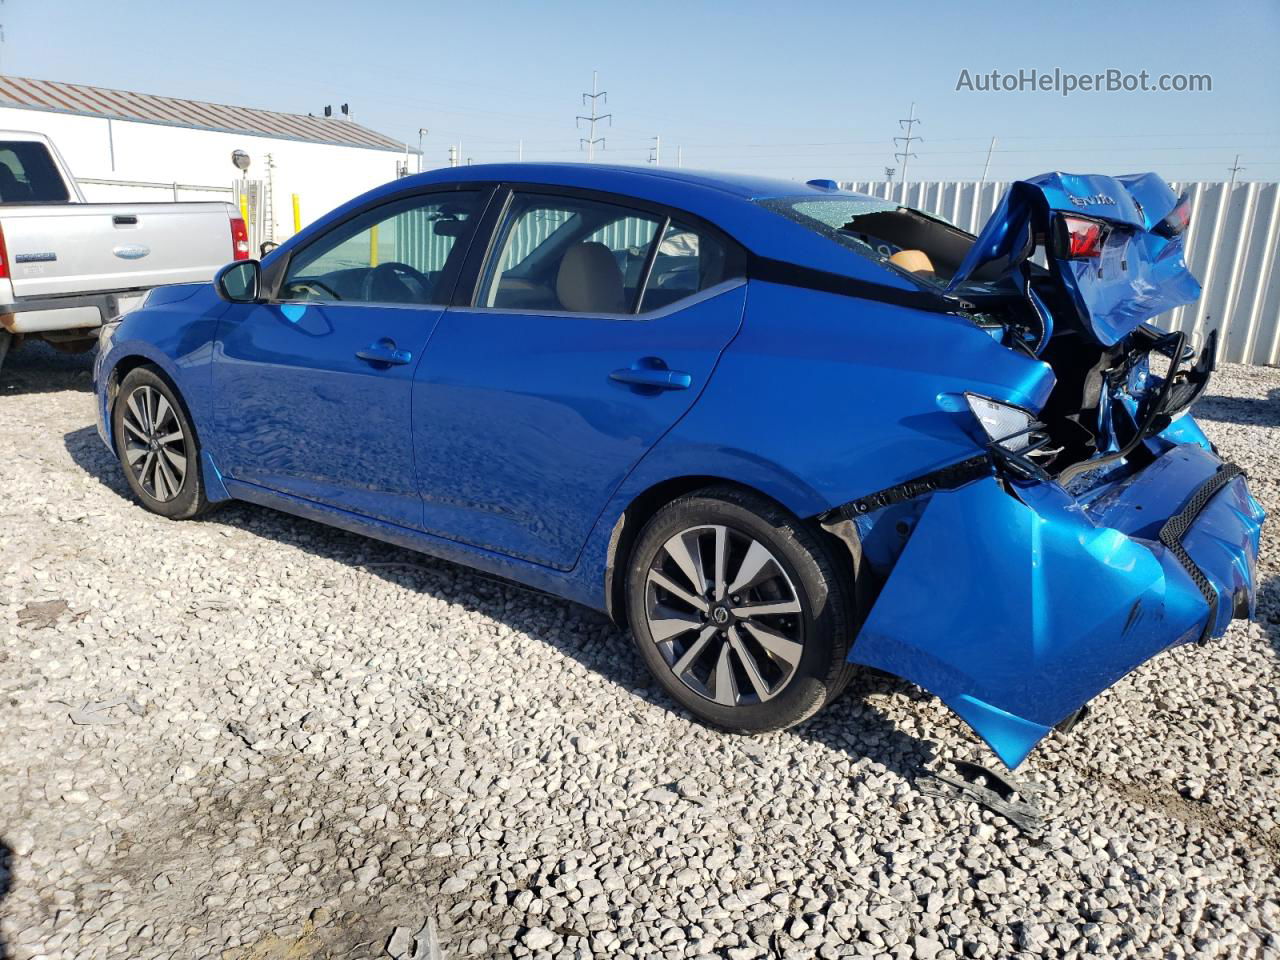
1037	602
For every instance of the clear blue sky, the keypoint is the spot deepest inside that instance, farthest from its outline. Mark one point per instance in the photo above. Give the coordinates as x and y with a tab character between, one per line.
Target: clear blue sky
801	90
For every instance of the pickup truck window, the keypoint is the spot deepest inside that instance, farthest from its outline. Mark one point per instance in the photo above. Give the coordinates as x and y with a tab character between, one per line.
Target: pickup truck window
28	174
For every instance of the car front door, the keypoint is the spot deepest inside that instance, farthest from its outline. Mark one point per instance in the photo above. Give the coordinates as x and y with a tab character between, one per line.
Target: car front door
314	386
591	328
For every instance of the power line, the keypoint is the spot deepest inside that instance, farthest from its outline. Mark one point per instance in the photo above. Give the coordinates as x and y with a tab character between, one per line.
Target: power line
906	153
596	96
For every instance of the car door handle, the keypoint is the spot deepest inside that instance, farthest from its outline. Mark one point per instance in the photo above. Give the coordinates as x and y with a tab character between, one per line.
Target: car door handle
659	378
384	352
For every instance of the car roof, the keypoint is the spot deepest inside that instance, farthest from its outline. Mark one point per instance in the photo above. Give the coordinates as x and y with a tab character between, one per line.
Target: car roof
616	178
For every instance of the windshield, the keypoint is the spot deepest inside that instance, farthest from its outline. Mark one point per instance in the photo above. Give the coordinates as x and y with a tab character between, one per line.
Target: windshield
27	174
925	248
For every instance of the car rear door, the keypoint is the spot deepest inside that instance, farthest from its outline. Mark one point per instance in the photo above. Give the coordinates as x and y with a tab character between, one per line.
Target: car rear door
314	386
591	326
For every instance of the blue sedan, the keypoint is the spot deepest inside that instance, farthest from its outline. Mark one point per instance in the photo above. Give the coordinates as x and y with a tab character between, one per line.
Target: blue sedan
781	430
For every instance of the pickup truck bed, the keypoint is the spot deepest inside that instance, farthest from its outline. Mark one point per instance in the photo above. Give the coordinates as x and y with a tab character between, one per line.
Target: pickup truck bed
67	266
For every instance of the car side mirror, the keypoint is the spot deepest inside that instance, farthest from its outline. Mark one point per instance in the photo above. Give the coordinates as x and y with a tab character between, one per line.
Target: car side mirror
266	247
238	282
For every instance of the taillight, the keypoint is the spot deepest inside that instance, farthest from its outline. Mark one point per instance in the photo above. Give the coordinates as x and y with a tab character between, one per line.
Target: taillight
4	258
1177	221
239	239
1084	238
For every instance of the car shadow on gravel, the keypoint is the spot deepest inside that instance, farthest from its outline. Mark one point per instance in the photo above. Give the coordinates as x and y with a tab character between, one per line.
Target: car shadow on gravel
6	884
1268	612
853	725
1250	411
38	368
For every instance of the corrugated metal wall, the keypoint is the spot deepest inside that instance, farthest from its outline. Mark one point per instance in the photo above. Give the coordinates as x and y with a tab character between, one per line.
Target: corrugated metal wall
1231	247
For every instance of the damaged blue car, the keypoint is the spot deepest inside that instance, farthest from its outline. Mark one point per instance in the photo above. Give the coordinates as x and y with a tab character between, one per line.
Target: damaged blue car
780	431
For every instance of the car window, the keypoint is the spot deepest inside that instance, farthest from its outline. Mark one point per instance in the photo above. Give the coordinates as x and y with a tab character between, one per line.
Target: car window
406	252
565	253
688	261
28	175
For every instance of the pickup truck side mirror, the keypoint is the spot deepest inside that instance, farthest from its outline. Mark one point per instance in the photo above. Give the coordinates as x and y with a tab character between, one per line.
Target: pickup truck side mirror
238	282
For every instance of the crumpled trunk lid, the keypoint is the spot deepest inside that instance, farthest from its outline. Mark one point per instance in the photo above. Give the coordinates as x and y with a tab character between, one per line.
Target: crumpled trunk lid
1131	271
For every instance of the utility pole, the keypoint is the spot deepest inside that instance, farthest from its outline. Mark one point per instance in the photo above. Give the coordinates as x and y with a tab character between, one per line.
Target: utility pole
453	155
1234	168
520	151
679	156
655	152
422	132
906	153
596	96
987	166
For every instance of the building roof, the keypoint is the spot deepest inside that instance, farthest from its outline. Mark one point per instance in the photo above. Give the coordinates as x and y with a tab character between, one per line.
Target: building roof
77	98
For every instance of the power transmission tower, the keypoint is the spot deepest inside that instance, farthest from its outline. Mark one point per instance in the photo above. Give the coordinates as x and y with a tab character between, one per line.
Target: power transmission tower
906	153
453	156
596	96
888	174
1234	168
655	152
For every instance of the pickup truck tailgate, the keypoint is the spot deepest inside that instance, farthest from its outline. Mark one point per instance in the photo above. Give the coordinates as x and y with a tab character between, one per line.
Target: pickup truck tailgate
66	249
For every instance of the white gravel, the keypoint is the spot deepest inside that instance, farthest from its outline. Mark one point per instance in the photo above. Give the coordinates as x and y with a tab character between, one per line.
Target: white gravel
293	742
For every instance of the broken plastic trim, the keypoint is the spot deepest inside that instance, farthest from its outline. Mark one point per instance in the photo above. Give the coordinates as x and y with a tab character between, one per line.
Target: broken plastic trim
1176	527
947	478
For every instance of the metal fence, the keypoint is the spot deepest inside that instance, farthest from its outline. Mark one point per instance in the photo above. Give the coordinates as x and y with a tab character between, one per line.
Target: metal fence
1231	247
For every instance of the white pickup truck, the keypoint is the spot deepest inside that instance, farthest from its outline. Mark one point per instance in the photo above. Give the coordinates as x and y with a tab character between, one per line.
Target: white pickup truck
67	266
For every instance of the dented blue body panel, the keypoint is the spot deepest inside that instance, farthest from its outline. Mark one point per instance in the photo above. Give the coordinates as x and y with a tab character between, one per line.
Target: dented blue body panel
1037	604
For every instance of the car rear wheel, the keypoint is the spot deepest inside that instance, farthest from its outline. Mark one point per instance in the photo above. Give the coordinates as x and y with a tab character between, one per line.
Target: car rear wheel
740	611
157	447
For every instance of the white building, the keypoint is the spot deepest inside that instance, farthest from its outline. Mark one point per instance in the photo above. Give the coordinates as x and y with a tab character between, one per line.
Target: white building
134	146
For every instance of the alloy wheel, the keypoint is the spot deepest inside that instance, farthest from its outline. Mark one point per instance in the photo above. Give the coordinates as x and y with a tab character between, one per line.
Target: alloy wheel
154	443
725	615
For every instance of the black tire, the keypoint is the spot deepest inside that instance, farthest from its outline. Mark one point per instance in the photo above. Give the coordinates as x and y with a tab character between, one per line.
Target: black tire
180	500
819	583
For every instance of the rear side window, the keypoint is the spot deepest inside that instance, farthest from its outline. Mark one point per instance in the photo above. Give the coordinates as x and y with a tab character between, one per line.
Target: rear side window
28	174
688	261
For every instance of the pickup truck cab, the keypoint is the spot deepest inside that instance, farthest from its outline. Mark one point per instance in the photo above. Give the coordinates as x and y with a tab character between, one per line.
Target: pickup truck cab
67	266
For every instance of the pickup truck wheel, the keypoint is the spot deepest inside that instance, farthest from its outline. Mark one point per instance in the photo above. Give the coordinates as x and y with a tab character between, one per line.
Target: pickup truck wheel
157	447
739	611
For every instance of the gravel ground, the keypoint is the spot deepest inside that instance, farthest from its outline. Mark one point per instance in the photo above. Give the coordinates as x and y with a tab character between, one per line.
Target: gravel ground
257	737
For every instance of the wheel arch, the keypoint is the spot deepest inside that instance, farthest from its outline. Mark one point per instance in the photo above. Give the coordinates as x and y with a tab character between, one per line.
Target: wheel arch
644	505
126	365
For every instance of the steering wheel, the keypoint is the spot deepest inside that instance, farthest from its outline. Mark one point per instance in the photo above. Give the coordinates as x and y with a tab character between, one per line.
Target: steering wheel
301	286
405	275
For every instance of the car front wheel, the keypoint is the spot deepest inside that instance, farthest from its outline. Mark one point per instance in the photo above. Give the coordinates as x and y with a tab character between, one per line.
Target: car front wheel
157	446
740	610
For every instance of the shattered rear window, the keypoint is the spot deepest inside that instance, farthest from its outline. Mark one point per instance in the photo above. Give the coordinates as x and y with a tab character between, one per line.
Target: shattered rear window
835	219
828	215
